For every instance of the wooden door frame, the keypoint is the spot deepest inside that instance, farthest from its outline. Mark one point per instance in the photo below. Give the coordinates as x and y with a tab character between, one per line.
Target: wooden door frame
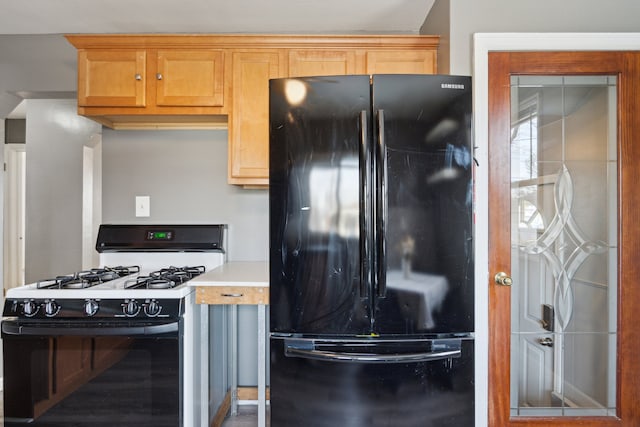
501	65
483	43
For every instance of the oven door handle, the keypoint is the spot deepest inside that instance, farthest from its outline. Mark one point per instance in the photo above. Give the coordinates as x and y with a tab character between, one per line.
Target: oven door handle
18	329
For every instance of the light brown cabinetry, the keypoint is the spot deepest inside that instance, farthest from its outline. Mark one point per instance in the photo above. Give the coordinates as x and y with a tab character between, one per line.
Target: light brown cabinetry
190	78
120	78
213	81
401	62
111	78
150	82
312	62
315	56
249	124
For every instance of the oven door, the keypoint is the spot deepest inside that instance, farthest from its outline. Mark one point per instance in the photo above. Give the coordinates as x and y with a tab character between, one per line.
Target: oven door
89	374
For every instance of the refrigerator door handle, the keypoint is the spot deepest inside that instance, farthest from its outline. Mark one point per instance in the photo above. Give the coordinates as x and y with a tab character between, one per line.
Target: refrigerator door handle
334	356
381	208
365	207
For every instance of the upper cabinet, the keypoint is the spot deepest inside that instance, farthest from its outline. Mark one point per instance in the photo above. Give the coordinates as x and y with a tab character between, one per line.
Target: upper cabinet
123	78
316	62
213	81
111	78
189	78
401	62
249	122
151	81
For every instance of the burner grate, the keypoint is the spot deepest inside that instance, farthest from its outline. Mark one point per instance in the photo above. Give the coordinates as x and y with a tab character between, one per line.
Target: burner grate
87	278
165	278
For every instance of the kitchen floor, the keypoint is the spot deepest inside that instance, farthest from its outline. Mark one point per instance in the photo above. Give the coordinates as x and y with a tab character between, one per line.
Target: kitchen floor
247	417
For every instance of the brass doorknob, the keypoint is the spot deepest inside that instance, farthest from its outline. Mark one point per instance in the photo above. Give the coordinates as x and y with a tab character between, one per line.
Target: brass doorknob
503	279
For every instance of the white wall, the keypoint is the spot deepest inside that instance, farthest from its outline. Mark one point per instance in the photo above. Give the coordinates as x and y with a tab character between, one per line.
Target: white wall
56	136
185	175
467	17
35	63
438	22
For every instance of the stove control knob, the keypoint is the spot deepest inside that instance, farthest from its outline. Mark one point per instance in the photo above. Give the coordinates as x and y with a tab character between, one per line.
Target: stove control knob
51	308
91	307
131	308
152	309
29	308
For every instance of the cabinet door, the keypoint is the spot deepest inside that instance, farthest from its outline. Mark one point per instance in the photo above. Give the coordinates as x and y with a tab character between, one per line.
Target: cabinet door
305	63
190	78
111	78
249	123
401	62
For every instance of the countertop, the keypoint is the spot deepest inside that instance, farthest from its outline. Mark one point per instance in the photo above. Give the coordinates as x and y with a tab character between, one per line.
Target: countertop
239	273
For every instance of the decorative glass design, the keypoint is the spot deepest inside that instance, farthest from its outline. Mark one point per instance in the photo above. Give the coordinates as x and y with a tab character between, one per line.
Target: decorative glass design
564	245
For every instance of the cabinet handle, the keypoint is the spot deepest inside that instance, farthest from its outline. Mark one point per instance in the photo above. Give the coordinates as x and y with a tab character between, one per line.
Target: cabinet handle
159	76
138	77
232	295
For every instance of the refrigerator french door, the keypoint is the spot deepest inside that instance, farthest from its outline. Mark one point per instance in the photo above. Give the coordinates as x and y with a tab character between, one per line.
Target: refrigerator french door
371	260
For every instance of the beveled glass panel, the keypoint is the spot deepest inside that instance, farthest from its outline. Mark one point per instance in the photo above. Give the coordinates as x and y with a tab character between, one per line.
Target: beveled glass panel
563	245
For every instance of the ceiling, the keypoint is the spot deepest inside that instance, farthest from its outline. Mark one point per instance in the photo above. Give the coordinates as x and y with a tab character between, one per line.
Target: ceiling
36	61
213	16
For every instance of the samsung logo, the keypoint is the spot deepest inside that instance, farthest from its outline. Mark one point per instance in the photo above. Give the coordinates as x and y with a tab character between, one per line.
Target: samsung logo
451	86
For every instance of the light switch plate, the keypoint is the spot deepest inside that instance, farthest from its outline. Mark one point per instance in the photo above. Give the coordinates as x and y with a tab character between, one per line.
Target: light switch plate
143	206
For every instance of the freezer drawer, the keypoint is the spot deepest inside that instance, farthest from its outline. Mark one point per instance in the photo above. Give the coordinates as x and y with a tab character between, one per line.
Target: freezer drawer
326	383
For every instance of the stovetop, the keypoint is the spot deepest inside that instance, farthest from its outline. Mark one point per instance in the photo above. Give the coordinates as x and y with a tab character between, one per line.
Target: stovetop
102	293
144	273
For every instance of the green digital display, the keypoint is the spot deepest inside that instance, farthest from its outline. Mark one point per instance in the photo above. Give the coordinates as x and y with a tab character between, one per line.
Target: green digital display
159	235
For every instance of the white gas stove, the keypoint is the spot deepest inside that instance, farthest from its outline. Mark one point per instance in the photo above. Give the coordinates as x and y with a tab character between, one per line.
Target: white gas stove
139	265
134	311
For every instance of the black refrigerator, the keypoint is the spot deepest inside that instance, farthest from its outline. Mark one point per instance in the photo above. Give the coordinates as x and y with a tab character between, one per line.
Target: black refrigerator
371	251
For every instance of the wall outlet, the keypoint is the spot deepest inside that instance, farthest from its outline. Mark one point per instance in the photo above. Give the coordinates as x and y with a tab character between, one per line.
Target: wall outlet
143	206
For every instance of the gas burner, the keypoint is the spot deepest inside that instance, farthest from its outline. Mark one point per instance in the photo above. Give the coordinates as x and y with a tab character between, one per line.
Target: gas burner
87	278
149	282
165	278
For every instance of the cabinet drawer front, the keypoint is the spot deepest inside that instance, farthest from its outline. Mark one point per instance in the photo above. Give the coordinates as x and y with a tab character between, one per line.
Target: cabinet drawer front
190	78
233	295
111	78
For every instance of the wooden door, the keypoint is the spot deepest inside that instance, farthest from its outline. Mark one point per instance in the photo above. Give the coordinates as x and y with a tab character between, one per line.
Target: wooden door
190	78
111	78
555	283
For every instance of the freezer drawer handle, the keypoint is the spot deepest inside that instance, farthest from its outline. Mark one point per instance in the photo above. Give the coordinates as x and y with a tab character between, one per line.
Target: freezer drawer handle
334	356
